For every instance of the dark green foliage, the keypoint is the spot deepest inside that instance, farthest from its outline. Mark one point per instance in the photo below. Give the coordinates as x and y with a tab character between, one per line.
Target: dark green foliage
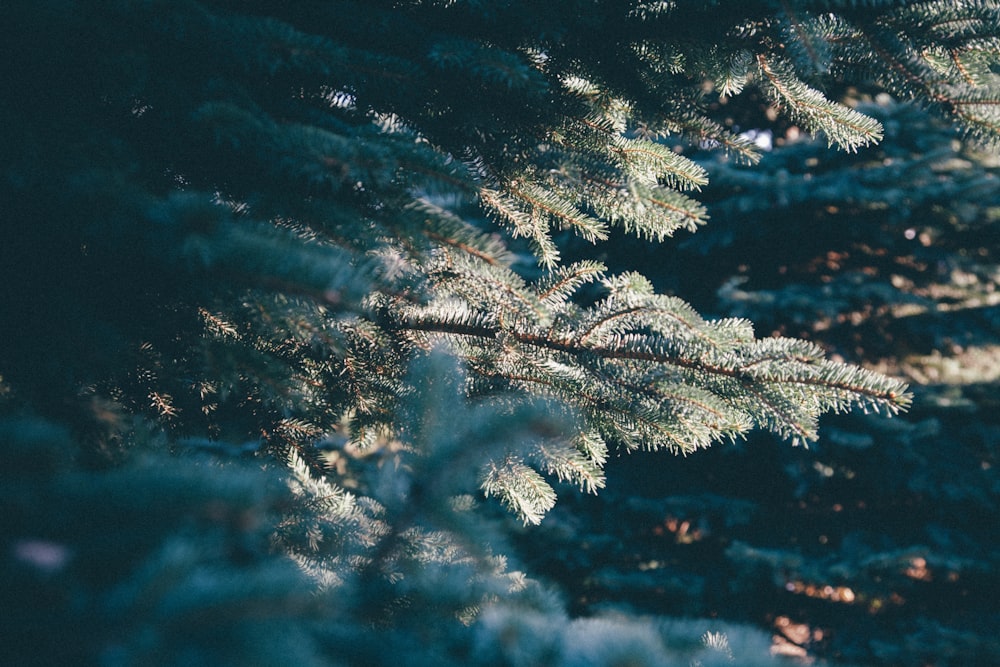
163	562
180	560
328	237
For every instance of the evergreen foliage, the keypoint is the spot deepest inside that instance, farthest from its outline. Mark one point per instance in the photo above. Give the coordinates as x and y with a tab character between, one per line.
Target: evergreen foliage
168	560
269	229
876	546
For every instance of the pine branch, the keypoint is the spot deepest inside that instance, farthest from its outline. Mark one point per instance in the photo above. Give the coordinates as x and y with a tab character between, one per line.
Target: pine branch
708	134
651	163
521	488
448	230
950	73
841	125
607	362
728	71
805	40
556	287
561	212
487	63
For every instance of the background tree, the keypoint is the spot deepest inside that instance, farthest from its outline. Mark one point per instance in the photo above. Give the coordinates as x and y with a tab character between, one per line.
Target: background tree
249	224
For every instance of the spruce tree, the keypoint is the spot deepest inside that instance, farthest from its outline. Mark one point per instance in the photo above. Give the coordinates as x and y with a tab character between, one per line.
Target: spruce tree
254	228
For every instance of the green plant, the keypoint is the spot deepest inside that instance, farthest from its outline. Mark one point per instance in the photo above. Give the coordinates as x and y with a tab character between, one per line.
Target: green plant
248	224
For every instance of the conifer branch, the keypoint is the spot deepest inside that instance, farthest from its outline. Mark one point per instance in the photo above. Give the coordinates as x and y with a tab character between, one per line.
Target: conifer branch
740	373
806	40
710	134
650	163
556	287
560	210
841	125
